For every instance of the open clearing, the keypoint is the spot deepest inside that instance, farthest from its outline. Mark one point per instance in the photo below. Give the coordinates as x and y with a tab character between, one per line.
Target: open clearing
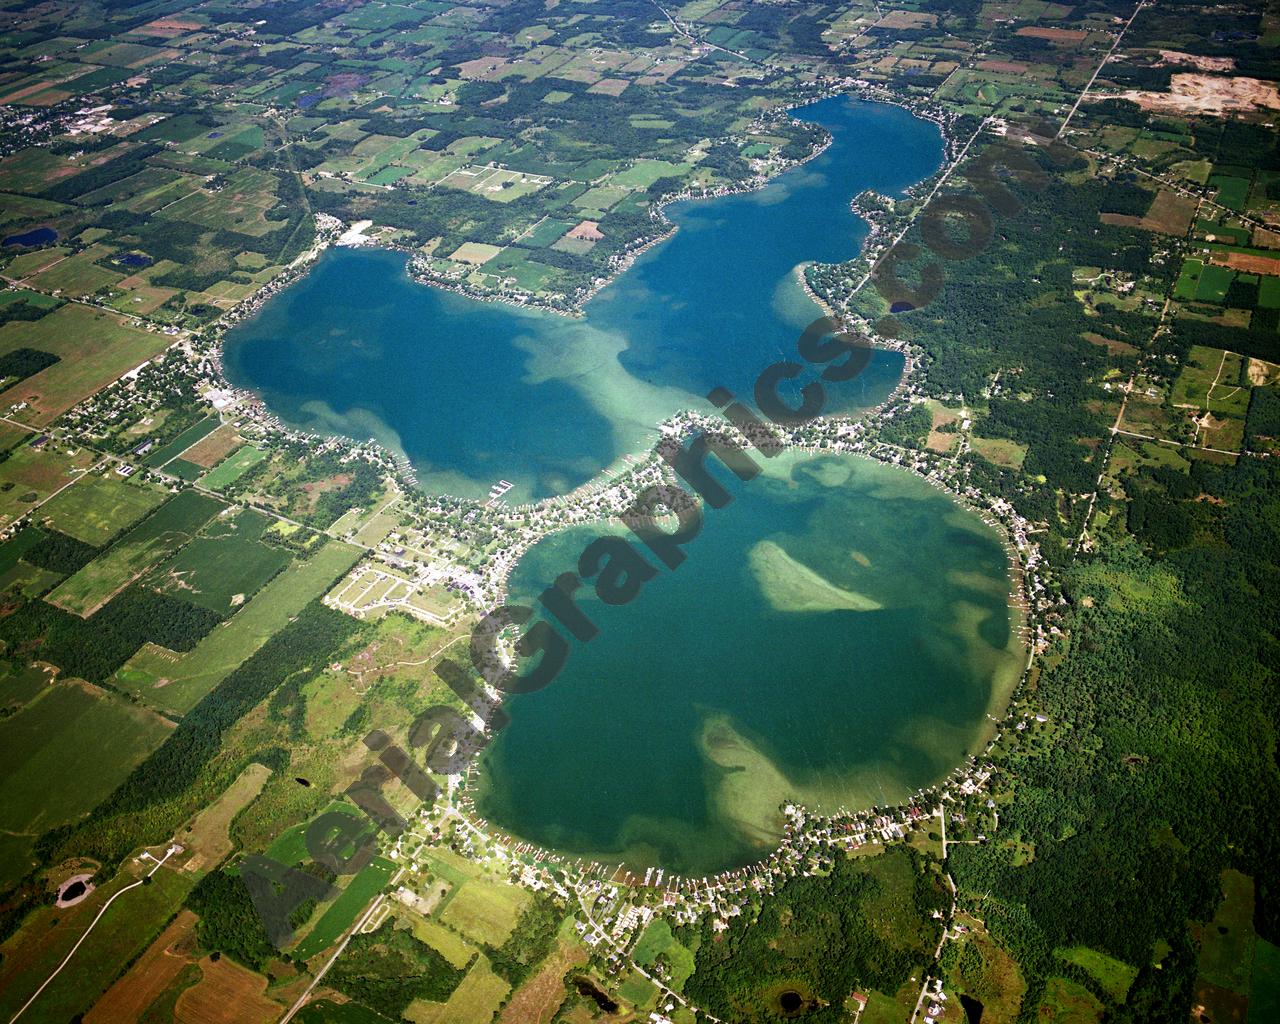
208	834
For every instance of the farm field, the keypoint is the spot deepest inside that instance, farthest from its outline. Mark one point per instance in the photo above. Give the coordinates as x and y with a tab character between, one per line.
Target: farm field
233	467
224	566
484	912
95	347
53	764
146	980
162	533
31	474
98	506
182	442
124	932
344	910
226	994
175	682
474	1001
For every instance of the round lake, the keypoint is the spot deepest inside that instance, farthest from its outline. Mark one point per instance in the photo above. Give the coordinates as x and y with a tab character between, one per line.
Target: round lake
837	635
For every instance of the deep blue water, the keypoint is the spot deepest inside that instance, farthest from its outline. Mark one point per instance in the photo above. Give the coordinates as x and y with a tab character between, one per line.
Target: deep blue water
475	392
36	236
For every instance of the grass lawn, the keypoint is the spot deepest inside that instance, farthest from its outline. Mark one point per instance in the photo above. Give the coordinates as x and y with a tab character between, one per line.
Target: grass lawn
656	941
157	536
175	682
98	506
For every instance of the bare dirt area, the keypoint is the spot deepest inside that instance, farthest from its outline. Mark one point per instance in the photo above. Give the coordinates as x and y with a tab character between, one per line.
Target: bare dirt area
142	984
1196	61
1248	262
227	994
1066	36
1262	373
1195	93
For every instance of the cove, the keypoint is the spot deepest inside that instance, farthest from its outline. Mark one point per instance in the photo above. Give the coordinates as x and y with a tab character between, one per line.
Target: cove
474	392
837	636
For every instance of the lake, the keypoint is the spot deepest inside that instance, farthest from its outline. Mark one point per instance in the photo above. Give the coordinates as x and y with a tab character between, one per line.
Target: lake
837	635
839	632
476	392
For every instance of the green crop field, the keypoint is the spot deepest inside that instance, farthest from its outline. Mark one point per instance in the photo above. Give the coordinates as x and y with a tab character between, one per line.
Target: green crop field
1232	191
343	912
232	468
1214	282
222	571
290	847
175	682
182	442
157	536
98	506
54	765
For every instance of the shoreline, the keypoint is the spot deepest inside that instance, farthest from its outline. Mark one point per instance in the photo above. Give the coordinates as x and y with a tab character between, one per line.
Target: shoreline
1023	557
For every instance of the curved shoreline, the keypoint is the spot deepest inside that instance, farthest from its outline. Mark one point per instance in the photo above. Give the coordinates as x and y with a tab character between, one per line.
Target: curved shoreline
682	425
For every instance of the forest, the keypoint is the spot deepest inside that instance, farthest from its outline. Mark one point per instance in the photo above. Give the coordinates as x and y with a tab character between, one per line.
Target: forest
1164	772
865	924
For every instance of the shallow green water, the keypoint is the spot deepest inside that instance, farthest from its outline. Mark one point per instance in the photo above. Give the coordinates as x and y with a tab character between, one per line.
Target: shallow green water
836	635
476	392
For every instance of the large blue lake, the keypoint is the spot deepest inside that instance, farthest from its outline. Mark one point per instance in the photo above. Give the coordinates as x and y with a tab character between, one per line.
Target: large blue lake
475	392
839	633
